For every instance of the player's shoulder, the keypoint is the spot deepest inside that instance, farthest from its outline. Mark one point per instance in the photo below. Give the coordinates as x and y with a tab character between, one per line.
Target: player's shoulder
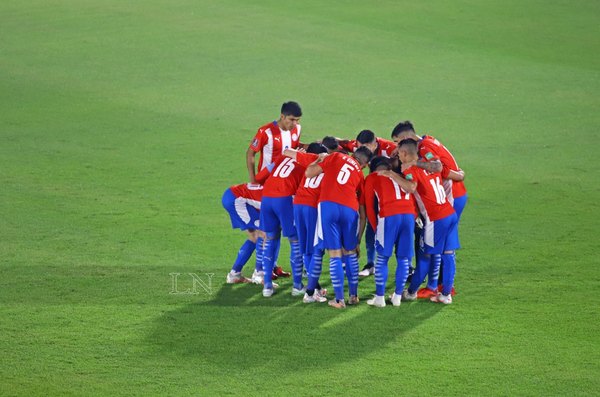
269	126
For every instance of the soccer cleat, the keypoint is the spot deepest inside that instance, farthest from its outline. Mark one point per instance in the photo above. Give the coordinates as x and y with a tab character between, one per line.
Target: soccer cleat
377	301
279	272
396	299
316	297
367	271
353	300
441	298
258	277
338	305
298	292
322	292
268	292
407	296
236	278
426	293
441	287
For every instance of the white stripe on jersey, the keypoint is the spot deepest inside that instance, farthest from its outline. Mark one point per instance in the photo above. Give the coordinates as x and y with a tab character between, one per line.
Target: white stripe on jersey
429	233
286	140
319	233
380	233
267	150
427	223
241	209
447	183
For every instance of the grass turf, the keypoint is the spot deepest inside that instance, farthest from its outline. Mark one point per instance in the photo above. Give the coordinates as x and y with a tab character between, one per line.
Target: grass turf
121	123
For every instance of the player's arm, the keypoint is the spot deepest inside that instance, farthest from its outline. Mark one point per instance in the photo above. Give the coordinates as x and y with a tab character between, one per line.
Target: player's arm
369	202
456	175
432	166
291	153
407	186
362	223
251	163
314	168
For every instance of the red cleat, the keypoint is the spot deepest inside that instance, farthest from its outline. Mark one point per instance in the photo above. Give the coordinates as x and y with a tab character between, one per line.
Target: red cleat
278	271
440	287
426	293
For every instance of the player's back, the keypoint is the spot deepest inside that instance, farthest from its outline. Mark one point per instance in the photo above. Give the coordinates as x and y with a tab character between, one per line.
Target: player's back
430	194
284	179
309	189
430	148
391	198
343	180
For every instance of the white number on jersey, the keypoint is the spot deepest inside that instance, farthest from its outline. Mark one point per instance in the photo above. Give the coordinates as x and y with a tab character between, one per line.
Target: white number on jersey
344	174
313	182
440	193
399	191
285	168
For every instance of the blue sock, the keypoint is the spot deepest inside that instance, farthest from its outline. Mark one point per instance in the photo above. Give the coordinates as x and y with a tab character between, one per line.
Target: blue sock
296	263
314	271
421	269
449	272
268	261
276	254
401	273
370	244
434	271
306	258
244	254
352	269
337	276
259	254
381	274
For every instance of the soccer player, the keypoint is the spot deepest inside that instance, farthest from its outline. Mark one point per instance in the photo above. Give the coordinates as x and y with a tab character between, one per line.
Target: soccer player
305	217
276	217
342	185
242	202
440	229
394	222
270	141
431	149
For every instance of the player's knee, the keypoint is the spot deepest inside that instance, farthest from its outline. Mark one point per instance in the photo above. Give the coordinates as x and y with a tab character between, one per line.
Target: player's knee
350	252
272	235
448	252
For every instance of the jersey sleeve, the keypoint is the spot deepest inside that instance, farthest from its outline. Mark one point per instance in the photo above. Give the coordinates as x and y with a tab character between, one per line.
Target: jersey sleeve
349	146
259	140
262	176
305	159
426	152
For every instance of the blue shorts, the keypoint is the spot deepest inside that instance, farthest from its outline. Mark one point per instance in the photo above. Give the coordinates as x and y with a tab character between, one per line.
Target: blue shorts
277	213
305	218
441	235
459	205
337	226
396	231
243	216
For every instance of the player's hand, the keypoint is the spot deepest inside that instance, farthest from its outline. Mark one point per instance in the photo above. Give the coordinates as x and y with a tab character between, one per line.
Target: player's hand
384	173
302	150
321	157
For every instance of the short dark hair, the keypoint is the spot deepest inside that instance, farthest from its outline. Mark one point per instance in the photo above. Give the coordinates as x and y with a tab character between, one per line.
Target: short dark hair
330	143
363	154
365	136
401	127
379	161
409	144
316	148
291	108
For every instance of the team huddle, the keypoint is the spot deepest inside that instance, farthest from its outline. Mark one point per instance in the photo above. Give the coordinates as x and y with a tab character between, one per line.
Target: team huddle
316	195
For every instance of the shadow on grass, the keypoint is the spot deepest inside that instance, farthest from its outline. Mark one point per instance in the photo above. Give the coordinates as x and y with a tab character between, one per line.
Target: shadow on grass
239	329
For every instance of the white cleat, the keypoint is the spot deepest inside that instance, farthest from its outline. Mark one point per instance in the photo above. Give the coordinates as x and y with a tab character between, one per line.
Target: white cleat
367	271
268	292
377	301
298	292
236	278
258	277
396	299
441	298
316	297
407	296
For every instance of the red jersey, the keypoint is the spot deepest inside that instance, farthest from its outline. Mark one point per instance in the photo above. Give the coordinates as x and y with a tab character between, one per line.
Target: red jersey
250	193
271	141
430	194
429	149
284	179
391	198
343	182
309	189
384	147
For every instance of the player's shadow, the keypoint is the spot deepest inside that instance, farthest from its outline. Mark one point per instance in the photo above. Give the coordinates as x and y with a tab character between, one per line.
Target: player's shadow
238	328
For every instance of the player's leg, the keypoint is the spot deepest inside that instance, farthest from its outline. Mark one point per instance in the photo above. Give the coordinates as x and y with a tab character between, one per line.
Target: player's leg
330	234
285	212
451	244
384	244
269	224
422	266
404	253
369	268
259	274
243	217
301	212
349	229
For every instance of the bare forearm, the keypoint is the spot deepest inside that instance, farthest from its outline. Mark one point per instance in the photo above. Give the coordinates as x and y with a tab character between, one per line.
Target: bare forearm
456	175
430	166
250	162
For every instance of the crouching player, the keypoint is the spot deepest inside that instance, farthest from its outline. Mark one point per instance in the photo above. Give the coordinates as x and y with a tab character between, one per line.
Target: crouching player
440	229
242	202
394	223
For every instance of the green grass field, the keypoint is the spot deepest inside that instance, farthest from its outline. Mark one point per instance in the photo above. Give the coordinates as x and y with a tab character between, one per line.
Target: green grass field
122	123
